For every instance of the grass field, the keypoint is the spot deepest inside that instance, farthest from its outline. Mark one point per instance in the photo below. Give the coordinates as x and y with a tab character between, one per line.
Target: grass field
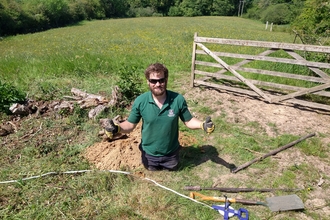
90	56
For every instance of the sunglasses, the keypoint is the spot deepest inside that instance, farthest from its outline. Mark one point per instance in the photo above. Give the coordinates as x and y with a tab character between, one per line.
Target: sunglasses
155	81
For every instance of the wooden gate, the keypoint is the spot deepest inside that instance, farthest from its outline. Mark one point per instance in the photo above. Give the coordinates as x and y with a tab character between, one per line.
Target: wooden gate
277	72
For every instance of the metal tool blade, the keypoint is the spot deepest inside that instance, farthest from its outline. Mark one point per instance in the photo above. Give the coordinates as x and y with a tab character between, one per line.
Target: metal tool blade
285	203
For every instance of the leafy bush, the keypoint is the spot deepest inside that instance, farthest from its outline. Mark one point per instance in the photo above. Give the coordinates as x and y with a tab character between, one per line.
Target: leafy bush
77	10
9	95
10	20
174	11
222	8
141	12
277	14
130	84
115	8
253	13
313	24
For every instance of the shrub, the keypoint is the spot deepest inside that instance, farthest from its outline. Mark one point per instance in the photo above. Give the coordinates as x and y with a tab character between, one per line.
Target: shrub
77	11
142	12
313	24
9	95
174	11
277	14
253	13
130	84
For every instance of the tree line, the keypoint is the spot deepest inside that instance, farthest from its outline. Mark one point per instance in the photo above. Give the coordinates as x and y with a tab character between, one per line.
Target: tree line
309	17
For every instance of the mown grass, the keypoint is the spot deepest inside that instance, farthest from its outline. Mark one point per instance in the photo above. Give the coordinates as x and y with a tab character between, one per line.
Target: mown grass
90	56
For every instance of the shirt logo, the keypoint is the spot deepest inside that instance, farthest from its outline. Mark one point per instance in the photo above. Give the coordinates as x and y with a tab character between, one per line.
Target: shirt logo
171	113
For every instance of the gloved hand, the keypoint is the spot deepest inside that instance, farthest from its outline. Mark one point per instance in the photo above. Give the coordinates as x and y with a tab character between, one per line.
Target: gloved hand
208	125
111	128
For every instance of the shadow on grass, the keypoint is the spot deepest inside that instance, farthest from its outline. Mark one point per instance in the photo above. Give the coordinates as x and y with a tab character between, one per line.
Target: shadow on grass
193	156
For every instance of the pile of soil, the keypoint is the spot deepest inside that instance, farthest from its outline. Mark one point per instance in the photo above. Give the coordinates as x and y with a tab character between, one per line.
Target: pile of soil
122	152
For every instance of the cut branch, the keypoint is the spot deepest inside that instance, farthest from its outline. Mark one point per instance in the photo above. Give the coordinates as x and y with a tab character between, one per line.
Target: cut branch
272	153
87	96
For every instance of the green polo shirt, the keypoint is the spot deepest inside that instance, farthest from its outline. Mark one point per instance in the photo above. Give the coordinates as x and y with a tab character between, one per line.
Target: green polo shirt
160	127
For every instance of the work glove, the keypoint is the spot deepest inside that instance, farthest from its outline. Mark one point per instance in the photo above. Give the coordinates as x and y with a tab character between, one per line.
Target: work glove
111	128
208	125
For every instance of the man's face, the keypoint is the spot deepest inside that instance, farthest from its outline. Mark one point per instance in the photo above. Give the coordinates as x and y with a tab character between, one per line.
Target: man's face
157	84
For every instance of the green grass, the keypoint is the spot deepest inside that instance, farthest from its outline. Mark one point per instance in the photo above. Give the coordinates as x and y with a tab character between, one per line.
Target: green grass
90	56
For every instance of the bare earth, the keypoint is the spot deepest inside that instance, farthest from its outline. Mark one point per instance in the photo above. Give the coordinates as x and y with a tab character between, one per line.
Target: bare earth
275	120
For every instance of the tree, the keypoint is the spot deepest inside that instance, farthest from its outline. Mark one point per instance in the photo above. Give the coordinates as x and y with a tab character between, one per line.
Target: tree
161	6
114	8
222	8
57	11
138	3
7	22
188	8
204	7
277	14
313	24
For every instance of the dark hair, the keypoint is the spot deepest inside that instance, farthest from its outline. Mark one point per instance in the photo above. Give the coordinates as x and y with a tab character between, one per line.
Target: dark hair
156	68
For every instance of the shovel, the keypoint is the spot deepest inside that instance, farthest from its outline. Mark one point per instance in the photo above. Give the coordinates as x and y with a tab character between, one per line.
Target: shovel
275	204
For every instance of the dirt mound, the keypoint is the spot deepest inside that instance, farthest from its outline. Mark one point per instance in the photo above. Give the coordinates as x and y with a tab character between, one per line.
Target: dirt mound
121	152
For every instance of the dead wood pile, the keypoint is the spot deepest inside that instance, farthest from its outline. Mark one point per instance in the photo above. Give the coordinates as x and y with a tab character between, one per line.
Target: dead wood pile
96	104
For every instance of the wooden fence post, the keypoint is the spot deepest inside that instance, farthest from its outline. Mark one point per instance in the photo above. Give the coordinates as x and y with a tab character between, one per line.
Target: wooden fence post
192	77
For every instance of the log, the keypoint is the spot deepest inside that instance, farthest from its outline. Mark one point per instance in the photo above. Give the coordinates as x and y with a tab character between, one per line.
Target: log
271	153
86	95
6	129
88	102
79	93
116	96
83	99
64	105
96	111
19	109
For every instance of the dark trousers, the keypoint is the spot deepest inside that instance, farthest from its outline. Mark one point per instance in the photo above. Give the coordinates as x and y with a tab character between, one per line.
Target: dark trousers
168	162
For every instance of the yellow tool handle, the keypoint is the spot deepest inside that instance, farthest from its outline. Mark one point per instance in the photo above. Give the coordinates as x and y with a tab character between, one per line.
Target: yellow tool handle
193	195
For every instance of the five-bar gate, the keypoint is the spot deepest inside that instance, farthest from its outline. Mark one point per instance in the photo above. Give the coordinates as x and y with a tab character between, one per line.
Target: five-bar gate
277	72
